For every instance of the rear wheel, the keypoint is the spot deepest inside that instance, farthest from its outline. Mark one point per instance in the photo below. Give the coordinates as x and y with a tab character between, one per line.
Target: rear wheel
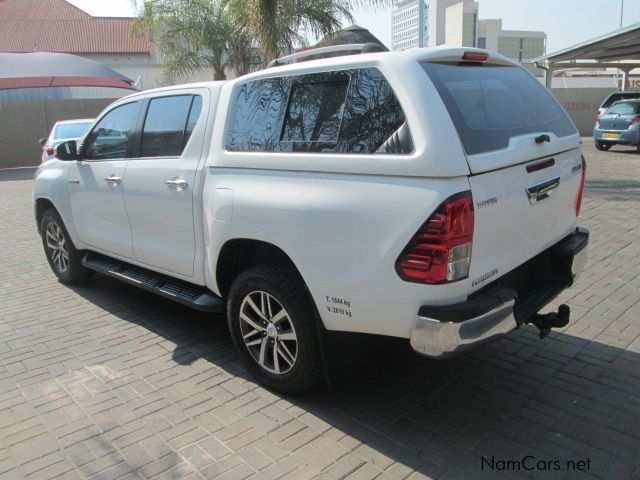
63	258
603	146
272	324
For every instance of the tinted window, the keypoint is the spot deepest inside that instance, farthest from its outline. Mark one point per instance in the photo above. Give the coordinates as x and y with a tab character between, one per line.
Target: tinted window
614	97
257	115
110	136
315	110
373	118
623	108
70	130
168	125
352	111
491	104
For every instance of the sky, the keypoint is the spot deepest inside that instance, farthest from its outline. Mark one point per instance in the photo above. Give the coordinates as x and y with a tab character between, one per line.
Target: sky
566	22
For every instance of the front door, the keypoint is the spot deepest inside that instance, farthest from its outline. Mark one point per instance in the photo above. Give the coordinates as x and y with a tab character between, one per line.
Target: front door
96	182
160	188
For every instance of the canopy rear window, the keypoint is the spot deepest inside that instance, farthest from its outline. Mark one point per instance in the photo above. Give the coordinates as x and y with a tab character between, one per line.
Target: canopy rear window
490	104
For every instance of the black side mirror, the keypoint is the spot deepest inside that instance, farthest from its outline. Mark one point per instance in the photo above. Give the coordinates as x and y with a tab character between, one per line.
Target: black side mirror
67	150
42	141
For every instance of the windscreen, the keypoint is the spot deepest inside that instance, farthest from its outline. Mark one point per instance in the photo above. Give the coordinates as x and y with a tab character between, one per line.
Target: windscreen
490	104
71	130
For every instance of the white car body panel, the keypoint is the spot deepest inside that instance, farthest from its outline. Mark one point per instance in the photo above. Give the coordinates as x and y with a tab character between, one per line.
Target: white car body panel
343	233
505	220
98	207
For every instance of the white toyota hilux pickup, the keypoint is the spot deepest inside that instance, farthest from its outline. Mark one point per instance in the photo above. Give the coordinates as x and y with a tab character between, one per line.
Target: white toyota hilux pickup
430	195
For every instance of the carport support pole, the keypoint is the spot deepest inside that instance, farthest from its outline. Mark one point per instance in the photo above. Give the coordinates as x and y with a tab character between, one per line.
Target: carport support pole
625	79
548	77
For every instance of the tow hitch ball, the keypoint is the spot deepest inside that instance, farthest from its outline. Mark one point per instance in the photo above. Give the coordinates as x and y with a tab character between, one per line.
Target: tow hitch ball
545	322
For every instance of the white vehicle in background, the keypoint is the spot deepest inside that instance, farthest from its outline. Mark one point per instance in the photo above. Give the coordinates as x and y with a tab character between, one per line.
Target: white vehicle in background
63	131
430	195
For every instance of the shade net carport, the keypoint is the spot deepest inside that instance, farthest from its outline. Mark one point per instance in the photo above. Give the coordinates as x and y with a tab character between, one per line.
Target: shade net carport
44	69
618	49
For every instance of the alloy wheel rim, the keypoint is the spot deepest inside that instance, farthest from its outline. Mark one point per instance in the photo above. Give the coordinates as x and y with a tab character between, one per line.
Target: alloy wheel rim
57	245
268	332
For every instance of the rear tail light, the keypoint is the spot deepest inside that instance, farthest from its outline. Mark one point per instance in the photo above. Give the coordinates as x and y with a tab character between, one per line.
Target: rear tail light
475	56
635	121
440	251
598	120
50	150
581	189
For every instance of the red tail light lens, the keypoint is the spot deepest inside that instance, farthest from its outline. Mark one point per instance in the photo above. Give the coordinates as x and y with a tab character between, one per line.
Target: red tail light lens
440	251
50	150
598	120
581	189
634	121
475	56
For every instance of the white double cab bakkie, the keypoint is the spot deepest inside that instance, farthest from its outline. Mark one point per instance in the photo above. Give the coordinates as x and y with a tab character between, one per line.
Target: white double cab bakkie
430	195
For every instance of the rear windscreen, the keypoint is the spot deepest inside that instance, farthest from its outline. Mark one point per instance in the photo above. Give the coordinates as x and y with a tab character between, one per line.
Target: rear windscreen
490	104
71	130
619	96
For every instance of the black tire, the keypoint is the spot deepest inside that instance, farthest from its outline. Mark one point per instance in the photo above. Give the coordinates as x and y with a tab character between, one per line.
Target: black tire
70	271
285	286
603	146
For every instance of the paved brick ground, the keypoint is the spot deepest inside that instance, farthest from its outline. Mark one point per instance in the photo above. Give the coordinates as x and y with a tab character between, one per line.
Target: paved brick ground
106	382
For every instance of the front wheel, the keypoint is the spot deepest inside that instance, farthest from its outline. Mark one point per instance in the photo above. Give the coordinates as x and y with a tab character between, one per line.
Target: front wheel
272	325
603	146
63	258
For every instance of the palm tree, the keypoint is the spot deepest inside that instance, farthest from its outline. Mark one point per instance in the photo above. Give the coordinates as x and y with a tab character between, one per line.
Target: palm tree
277	25
192	35
236	34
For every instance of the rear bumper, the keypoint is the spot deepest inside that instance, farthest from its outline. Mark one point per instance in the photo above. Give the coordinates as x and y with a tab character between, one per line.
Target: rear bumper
626	137
441	331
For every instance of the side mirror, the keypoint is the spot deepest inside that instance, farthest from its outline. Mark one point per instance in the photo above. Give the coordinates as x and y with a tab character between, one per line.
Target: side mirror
42	141
67	150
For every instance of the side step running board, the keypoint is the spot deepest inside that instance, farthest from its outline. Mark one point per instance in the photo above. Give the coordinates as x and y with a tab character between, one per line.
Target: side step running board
193	296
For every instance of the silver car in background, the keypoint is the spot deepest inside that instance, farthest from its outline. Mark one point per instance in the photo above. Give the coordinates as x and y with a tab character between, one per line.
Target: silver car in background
61	132
618	125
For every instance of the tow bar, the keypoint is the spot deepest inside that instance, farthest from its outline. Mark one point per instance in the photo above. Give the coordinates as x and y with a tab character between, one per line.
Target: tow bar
545	322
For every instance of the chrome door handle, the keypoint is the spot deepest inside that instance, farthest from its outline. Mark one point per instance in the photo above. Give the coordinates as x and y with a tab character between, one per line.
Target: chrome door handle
113	180
177	184
541	191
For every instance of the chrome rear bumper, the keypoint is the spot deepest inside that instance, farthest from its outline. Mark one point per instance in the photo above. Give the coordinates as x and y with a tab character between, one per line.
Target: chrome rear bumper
441	331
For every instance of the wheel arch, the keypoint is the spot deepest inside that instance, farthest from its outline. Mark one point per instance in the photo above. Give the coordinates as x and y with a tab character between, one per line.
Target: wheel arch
40	205
238	254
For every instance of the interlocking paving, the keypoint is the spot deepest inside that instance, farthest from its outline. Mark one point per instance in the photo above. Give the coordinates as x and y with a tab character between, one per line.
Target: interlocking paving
107	382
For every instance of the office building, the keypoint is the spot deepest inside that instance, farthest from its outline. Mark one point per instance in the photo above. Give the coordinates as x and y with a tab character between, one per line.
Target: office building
451	22
455	23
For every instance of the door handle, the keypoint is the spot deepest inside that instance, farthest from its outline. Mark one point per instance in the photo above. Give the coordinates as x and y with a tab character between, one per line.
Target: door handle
541	191
113	180
177	184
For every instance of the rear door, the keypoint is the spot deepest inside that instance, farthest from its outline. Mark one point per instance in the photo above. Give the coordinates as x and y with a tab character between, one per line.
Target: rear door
524	156
160	188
